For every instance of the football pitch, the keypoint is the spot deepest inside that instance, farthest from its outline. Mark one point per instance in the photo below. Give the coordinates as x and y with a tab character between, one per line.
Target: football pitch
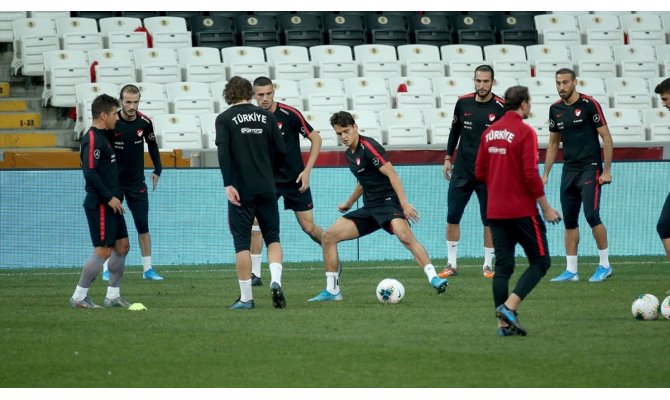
580	334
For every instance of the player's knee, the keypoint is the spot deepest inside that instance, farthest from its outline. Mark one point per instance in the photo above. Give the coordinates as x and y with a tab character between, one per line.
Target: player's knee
103	252
542	263
663	230
329	237
593	219
453	219
122	247
241	245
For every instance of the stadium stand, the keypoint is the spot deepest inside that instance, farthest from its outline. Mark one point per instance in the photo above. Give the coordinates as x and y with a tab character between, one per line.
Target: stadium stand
333	61
213	31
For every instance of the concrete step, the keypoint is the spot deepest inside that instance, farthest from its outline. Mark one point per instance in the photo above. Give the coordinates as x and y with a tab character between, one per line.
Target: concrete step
20	120
4	89
28	139
9	104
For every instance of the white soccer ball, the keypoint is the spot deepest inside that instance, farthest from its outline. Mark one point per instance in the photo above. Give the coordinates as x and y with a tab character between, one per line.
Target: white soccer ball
390	291
665	308
645	307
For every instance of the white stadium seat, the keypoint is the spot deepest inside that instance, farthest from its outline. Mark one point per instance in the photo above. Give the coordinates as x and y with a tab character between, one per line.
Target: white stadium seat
189	98
289	62
84	95
546	59
379	60
448	89
594	60
157	65
404	127
558	29
112	65
624	125
657	123
245	61
323	94
63	69
438	121
6	18
333	61
168	32
419	92
32	37
79	33
120	33
320	122
507	60
420	60
368	124
601	29
461	59
201	64
367	93
177	131
636	60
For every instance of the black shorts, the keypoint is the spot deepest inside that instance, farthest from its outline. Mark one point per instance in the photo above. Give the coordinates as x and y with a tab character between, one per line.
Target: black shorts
293	199
529	232
138	201
580	189
460	191
240	219
663	225
370	218
105	226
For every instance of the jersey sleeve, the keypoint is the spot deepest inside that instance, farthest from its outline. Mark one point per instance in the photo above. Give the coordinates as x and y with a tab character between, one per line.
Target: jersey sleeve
303	127
375	152
455	132
154	153
596	112
552	119
530	159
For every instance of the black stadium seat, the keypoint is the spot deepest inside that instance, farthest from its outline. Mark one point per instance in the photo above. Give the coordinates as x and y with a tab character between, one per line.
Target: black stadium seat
301	29
257	31
345	29
474	29
213	31
432	29
388	29
516	28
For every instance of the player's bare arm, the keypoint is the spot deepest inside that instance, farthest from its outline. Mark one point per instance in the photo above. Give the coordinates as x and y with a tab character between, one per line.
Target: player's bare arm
552	149
358	192
410	212
314	150
608	149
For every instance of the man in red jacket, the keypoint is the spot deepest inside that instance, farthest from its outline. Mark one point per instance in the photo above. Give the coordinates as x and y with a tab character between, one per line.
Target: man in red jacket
507	162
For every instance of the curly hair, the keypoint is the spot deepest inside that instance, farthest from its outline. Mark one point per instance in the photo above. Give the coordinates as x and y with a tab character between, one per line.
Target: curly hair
237	89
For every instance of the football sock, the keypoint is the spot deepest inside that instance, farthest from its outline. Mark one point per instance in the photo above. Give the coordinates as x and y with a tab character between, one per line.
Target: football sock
90	271
245	290
452	253
275	273
572	263
429	270
604	258
256	264
488	256
113	293
80	293
333	282
116	266
146	263
105	266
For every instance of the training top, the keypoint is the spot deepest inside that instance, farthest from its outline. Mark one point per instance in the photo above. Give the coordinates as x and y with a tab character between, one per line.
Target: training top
507	162
578	125
364	162
291	125
128	139
250	149
98	163
471	118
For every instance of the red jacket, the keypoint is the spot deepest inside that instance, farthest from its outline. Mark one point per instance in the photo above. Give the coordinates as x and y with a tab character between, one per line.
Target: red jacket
507	162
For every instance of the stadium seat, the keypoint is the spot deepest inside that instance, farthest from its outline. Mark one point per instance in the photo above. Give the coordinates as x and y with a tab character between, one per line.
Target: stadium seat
333	61
120	33
377	60
84	95
558	29
636	60
300	29
168	32
157	65
438	121
474	29
368	124
507	60
213	31
216	89
431	29
367	93
189	98
462	59
541	127
665	21
153	100
320	122
96	15
208	129
404	127
625	125
387	29
345	29
6	18
502	83
257	31
420	60
657	123
201	64
594	60
663	56
417	94
63	69
601	29
542	89
516	29
289	62
187	15
32	37
177	131
288	92
78	34
323	94
595	87
628	92
140	14
53	15
643	29
247	62
112	65
448	89
545	59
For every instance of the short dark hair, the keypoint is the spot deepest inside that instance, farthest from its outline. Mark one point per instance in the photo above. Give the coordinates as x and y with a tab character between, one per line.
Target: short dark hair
262	81
485	68
237	89
514	96
342	118
103	104
129	88
567	71
663	87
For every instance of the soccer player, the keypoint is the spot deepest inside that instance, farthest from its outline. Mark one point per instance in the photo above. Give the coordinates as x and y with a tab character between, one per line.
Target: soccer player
473	113
577	120
384	206
663	225
132	130
251	150
104	211
507	163
292	180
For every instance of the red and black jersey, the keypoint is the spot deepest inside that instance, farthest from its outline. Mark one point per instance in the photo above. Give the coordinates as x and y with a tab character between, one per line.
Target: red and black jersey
471	118
98	163
578	125
128	140
364	163
292	125
507	162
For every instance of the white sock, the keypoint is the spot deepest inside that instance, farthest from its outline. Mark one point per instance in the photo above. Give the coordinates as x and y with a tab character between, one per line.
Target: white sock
256	264
452	253
113	292
105	266
80	293
429	270
572	263
245	290
488	256
146	263
604	258
333	282
275	273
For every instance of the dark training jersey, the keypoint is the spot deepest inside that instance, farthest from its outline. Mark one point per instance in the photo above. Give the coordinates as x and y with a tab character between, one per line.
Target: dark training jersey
471	118
128	141
250	149
98	162
578	125
291	125
364	163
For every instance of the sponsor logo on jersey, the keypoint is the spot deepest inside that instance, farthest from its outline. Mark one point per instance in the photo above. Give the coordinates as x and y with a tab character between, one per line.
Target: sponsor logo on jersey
96	154
375	161
140	132
560	115
492	117
578	112
467	114
255	131
552	123
596	118
358	161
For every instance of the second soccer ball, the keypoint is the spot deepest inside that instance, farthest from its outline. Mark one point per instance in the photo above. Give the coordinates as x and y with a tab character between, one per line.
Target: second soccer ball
390	291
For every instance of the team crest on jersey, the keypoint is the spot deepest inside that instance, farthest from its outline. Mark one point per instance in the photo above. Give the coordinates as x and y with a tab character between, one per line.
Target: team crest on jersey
492	117
578	112
280	125
140	132
358	161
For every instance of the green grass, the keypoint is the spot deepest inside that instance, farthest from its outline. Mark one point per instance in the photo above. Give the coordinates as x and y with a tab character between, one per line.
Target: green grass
580	334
